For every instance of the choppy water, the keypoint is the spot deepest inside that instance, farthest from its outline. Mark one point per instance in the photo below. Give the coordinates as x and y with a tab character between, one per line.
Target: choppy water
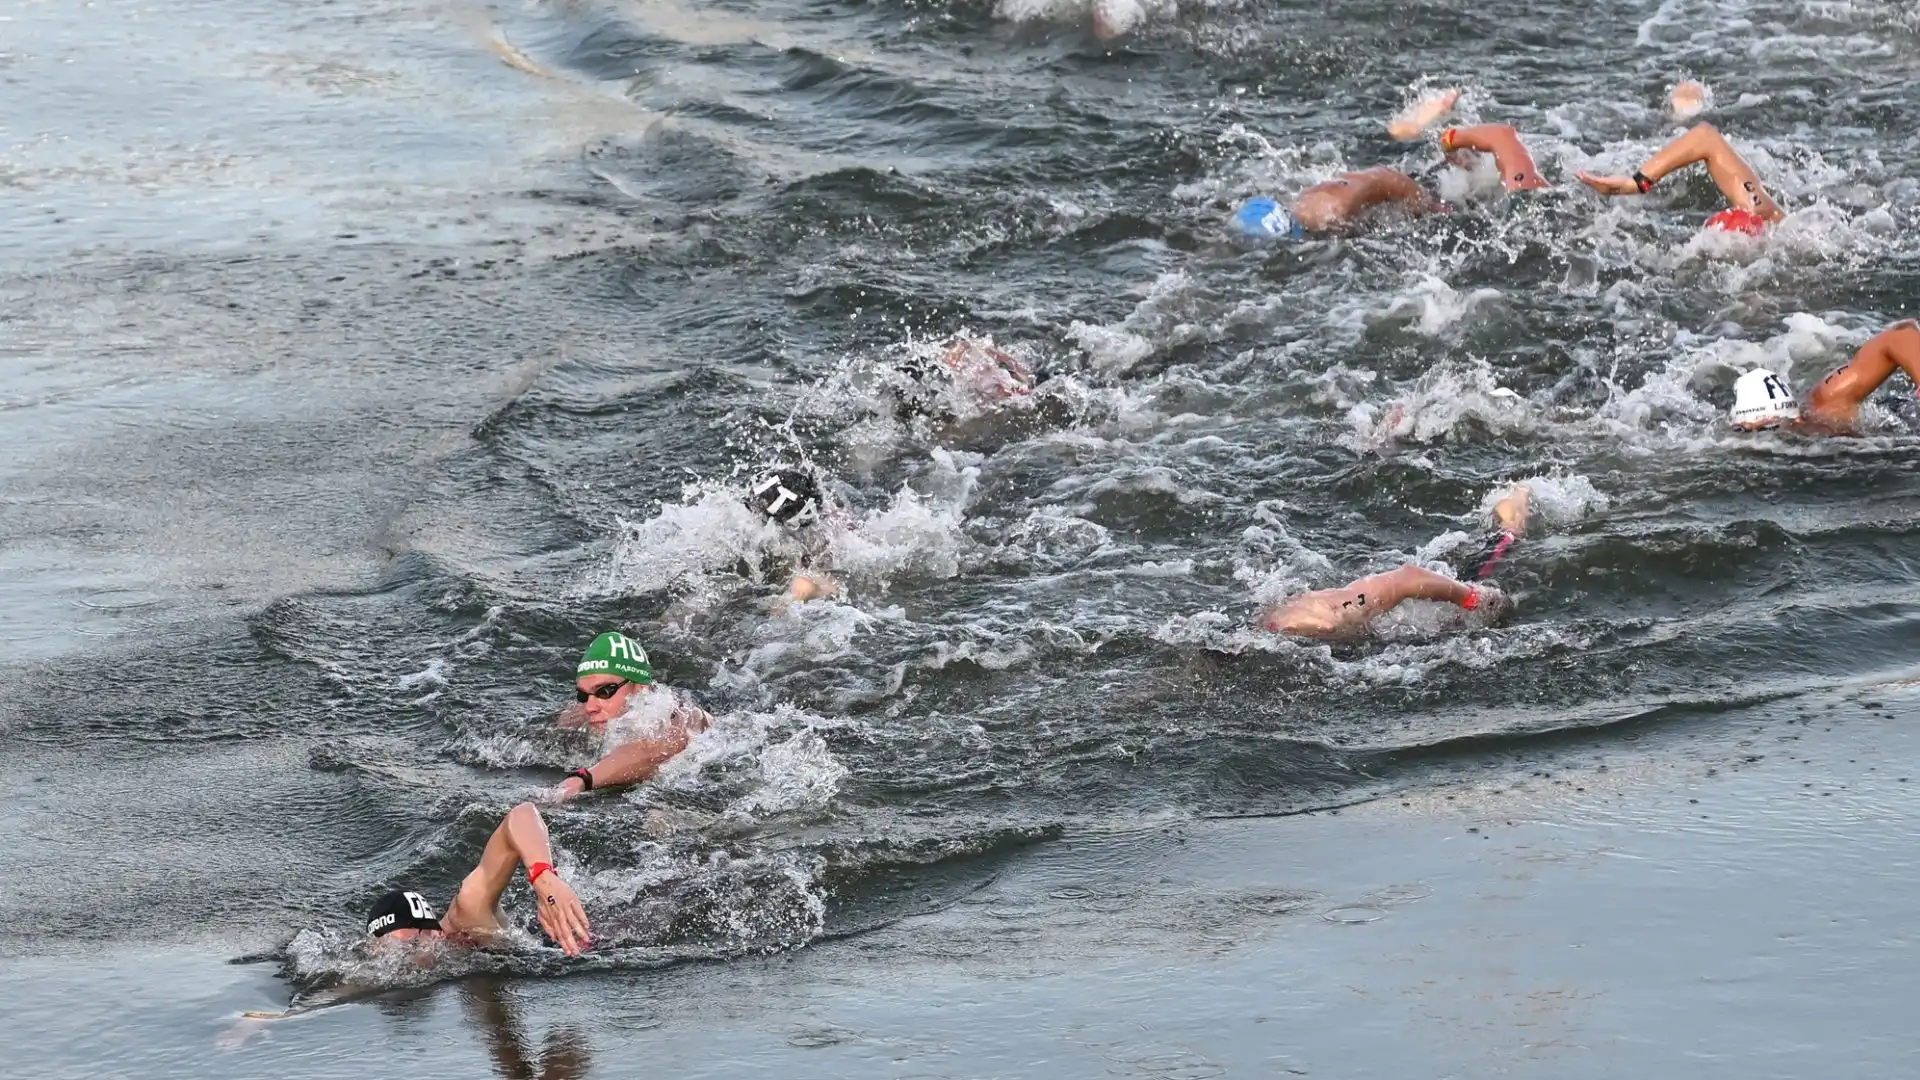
358	363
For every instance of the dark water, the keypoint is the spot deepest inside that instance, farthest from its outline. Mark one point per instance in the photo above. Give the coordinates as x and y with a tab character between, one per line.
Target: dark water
359	363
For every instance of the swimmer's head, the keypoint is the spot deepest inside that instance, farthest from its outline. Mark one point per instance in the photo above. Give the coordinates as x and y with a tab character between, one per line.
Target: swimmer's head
1261	218
788	496
401	916
1762	399
1737	220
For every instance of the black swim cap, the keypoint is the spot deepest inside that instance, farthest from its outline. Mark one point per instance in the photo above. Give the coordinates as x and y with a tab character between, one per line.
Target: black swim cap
787	495
400	910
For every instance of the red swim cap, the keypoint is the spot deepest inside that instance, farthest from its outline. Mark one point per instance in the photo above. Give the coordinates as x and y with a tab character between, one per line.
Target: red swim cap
1737	220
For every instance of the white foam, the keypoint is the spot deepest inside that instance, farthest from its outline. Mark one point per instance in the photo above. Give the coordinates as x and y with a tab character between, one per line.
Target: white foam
1432	306
1111	17
684	542
1558	499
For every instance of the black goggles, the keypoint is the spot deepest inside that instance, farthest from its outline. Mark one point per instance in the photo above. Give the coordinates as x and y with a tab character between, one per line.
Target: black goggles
603	692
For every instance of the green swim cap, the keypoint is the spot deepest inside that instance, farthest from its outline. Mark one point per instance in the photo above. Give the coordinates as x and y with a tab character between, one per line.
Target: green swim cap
614	653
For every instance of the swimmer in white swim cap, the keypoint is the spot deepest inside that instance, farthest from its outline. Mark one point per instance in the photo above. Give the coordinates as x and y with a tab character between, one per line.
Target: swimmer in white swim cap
1763	400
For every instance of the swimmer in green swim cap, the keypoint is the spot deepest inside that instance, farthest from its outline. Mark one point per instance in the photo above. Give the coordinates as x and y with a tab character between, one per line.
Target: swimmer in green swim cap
610	675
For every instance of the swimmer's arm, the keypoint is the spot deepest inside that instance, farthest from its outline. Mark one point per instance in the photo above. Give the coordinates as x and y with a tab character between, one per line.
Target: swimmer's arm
1383	185
1422	115
1387	591
520	839
1700	143
1517	170
634	762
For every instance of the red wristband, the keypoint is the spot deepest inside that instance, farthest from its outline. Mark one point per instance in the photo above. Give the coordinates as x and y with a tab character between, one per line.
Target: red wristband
1446	141
534	871
1472	601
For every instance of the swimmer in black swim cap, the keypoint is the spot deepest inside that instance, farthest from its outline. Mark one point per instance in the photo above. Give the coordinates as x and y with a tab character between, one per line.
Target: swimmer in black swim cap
474	916
791	497
787	496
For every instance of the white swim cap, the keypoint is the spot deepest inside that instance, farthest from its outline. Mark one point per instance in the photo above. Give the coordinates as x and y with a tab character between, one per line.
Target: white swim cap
1762	399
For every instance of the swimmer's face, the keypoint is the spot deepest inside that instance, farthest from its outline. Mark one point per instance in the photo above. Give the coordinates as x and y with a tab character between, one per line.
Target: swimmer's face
420	947
395	938
607	696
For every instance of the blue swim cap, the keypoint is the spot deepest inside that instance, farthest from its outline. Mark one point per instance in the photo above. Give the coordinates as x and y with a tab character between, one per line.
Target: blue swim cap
1260	218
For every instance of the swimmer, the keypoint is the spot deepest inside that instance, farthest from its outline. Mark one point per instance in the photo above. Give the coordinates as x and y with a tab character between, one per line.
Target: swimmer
1345	613
966	367
1762	400
791	497
474	917
612	670
1517	170
1331	204
1335	203
987	371
1752	210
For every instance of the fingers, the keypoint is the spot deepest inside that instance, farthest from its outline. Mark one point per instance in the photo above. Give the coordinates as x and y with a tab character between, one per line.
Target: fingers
1603	184
583	930
565	922
553	921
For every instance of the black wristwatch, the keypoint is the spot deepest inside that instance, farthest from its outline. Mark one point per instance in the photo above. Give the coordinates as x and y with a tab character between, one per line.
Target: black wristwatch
586	777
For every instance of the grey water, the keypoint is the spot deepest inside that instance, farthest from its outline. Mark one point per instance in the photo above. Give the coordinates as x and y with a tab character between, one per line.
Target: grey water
360	361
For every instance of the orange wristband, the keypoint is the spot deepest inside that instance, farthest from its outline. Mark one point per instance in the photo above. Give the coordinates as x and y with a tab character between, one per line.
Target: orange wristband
1472	601
534	871
1446	141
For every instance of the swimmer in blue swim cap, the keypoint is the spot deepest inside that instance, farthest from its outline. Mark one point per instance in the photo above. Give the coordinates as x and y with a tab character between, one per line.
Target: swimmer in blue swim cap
1329	205
1260	218
1334	203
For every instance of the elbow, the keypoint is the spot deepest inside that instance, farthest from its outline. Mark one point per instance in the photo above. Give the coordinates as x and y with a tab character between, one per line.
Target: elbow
1706	129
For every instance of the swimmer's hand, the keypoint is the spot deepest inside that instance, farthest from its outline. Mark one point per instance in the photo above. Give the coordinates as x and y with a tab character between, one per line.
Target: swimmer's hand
1609	185
1422	114
807	587
561	915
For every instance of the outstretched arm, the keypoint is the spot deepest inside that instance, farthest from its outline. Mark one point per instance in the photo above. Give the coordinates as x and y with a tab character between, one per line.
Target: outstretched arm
1389	590
520	839
1517	170
1344	612
636	761
1421	115
1838	397
1701	144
